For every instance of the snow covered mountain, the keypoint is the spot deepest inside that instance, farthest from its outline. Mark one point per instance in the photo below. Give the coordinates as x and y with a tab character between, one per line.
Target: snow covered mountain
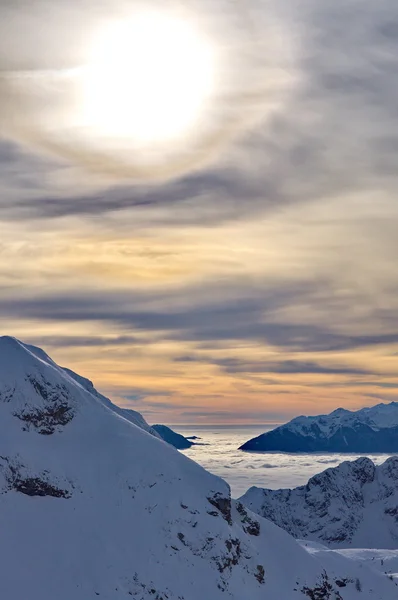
175	439
131	415
162	432
354	504
94	507
363	431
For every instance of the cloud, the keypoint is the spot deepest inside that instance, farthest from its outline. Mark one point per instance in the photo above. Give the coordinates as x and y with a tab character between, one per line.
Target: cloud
278	255
210	313
68	341
381	384
265	416
236	365
332	134
189	200
46	67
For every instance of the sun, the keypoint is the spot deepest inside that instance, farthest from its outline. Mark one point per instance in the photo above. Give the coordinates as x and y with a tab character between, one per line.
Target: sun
148	79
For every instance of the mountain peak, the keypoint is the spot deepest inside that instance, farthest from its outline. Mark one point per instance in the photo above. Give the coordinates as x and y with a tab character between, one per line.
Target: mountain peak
340	506
9	343
368	430
100	508
15	353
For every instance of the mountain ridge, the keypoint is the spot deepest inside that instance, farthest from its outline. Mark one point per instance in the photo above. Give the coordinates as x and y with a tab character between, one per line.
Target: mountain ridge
370	429
354	504
91	505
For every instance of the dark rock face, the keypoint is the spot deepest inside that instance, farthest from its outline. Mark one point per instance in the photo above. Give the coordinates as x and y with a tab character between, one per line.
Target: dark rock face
34	486
223	505
19	480
251	526
325	590
260	574
45	421
232	556
173	438
55	412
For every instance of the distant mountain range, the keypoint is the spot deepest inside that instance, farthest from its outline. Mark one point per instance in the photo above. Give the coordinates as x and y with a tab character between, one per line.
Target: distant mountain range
94	506
364	431
354	504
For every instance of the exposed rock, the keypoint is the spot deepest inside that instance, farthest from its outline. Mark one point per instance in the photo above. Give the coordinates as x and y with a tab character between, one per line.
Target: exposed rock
34	486
46	420
337	507
17	479
223	505
251	526
260	574
323	591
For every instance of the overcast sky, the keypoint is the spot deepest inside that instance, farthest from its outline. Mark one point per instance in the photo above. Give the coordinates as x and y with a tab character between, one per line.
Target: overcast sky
252	283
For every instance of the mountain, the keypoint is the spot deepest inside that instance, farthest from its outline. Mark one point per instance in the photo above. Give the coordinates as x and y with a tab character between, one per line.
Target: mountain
171	437
94	507
354	504
131	415
363	431
160	431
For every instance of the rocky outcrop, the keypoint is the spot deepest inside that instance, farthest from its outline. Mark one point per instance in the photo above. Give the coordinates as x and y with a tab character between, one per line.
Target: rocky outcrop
338	507
46	420
17	478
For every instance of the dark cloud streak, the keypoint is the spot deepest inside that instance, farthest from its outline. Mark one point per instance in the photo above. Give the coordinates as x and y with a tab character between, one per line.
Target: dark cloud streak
207	313
285	367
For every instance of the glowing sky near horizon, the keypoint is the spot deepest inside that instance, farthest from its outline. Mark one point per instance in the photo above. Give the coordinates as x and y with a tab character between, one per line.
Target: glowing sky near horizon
250	276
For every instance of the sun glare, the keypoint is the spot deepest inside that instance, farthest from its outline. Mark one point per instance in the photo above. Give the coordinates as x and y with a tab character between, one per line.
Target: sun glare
148	79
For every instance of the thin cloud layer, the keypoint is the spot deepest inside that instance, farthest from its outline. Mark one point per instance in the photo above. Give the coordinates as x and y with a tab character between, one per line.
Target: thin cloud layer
262	284
40	87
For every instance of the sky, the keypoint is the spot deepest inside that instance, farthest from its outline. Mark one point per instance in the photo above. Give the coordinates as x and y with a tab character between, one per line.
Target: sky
243	272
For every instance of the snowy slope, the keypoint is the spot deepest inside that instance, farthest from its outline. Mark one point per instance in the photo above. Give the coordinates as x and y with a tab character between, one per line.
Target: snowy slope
354	504
383	561
92	506
175	439
131	415
367	430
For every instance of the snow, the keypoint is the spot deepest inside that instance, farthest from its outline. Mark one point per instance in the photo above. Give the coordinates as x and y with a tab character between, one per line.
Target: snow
382	561
131	415
94	506
354	504
380	416
370	429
